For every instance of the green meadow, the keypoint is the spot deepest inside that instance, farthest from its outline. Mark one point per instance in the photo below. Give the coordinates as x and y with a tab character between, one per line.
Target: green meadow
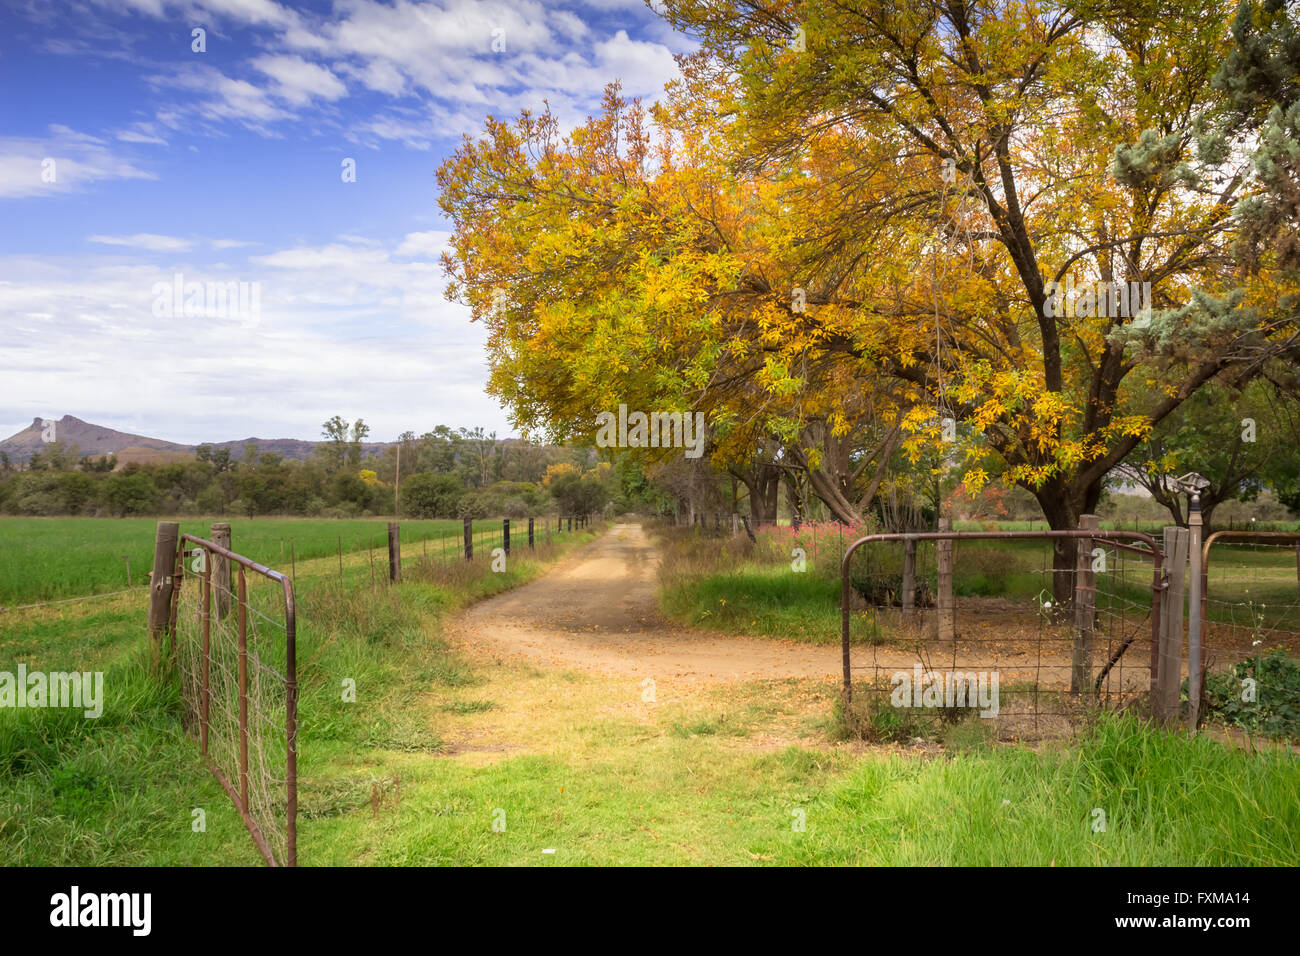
45	559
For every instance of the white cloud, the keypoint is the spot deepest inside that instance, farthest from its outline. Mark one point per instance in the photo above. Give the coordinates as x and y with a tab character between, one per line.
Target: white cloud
433	60
344	327
298	81
642	66
139	135
145	240
73	160
226	98
428	245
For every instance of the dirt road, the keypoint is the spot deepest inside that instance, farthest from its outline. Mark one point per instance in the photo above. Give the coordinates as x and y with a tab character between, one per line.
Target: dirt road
598	611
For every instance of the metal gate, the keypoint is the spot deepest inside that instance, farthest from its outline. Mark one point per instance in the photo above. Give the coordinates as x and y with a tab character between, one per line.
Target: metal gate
235	648
909	636
1249	611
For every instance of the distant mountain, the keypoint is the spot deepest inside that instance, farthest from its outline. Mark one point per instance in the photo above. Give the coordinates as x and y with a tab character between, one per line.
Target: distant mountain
98	440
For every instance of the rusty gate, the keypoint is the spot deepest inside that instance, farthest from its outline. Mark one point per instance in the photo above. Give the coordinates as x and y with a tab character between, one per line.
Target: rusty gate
903	627
234	644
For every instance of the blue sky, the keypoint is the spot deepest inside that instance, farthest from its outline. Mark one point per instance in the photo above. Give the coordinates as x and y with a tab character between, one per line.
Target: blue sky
128	158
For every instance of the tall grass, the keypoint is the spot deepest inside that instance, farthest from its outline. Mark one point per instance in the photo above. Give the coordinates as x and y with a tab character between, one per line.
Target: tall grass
786	584
1123	795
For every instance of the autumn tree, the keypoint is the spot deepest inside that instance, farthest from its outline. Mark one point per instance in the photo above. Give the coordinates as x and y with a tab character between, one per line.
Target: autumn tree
857	225
606	269
951	164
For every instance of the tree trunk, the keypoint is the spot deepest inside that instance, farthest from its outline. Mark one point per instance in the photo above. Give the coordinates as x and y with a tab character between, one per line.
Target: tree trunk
1062	505
771	491
763	482
795	499
825	488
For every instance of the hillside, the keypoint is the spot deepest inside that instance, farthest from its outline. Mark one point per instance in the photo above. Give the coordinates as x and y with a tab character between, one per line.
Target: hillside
94	439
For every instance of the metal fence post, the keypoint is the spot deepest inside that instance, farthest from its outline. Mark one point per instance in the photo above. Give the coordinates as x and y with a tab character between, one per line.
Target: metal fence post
909	578
207	652
243	691
530	534
505	535
1194	613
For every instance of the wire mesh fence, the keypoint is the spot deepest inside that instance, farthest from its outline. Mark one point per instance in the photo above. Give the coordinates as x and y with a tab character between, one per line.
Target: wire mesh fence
945	626
1250	594
1250	622
234	632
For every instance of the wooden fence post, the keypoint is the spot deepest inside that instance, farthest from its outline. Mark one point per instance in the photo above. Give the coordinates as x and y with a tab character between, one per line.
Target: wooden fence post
547	528
221	570
394	553
909	578
1085	602
947	620
735	524
505	535
469	539
161	585
1169	668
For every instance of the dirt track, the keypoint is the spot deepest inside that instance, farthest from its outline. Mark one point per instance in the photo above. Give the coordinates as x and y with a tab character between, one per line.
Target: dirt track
598	611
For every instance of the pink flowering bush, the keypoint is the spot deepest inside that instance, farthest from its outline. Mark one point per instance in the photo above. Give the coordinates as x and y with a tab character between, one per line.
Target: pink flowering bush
823	544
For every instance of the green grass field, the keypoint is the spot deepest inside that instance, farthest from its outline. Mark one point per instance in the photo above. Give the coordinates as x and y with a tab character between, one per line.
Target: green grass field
45	559
440	746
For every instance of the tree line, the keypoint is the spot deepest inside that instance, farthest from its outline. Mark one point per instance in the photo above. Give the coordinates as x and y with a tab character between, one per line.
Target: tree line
443	473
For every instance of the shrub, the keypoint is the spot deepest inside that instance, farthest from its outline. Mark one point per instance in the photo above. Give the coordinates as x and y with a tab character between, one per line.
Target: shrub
129	494
1275	712
429	495
871	718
